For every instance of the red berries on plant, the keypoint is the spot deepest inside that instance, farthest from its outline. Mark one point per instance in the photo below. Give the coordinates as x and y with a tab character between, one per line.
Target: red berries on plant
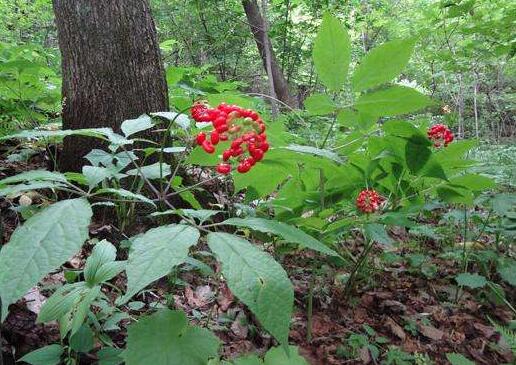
369	201
440	135
243	127
223	168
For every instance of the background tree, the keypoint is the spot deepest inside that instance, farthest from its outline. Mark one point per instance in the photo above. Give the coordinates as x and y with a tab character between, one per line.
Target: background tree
111	67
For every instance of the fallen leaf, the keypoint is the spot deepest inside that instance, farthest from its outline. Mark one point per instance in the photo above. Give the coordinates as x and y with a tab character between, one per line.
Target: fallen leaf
431	332
395	328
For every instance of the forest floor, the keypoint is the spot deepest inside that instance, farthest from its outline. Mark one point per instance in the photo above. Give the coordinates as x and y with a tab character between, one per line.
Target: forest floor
395	305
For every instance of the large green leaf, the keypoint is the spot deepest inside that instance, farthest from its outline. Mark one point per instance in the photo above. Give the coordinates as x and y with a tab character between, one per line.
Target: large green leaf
319	104
473	281
132	126
315	151
278	356
383	64
48	355
289	233
41	245
165	338
155	253
332	53
392	101
458	359
257	280
474	182
34	175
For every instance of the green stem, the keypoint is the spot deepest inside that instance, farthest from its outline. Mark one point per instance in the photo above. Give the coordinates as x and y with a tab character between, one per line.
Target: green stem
310	309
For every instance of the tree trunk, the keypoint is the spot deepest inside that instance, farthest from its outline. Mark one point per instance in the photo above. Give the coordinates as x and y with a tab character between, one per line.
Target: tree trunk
270	63
112	70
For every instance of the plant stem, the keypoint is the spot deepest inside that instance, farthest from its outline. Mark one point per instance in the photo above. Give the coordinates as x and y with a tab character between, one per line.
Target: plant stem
309	308
360	262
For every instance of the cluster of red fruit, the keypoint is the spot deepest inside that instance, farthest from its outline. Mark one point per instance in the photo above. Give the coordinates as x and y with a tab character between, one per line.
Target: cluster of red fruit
369	201
243	127
440	134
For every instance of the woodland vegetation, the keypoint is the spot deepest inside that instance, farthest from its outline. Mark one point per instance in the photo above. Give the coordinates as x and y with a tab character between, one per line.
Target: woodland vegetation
246	182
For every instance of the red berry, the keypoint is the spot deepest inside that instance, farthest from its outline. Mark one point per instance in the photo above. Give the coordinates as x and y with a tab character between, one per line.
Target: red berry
257	154
208	147
227	154
264	147
214	137
237	143
201	137
237	151
369	201
441	135
221	129
223	137
223	168
243	167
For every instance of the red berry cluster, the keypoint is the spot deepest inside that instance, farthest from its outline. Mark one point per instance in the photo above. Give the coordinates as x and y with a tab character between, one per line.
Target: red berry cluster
440	134
243	127
369	201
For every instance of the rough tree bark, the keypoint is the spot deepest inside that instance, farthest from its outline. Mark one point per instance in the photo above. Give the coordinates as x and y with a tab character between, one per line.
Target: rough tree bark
111	66
258	27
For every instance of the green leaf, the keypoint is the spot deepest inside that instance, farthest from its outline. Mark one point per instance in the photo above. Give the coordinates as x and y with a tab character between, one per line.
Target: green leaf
319	104
473	182
458	359
382	64
110	356
402	128
34	175
61	302
95	174
7	190
377	233
289	233
132	126
48	355
315	151
473	281
82	340
126	194
155	253
332	53
41	245
392	101
417	153
278	356
165	338
507	270
181	120
257	280
101	265
154	171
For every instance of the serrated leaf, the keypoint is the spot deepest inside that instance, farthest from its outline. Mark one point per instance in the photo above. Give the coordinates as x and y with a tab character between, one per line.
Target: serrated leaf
473	182
45	242
473	281
392	101
377	233
417	153
61	302
132	126
165	338
382	64
95	174
315	151
257	280
181	120
151	172
34	175
126	194
7	190
332	53
289	233
507	270
155	253
48	355
319	104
